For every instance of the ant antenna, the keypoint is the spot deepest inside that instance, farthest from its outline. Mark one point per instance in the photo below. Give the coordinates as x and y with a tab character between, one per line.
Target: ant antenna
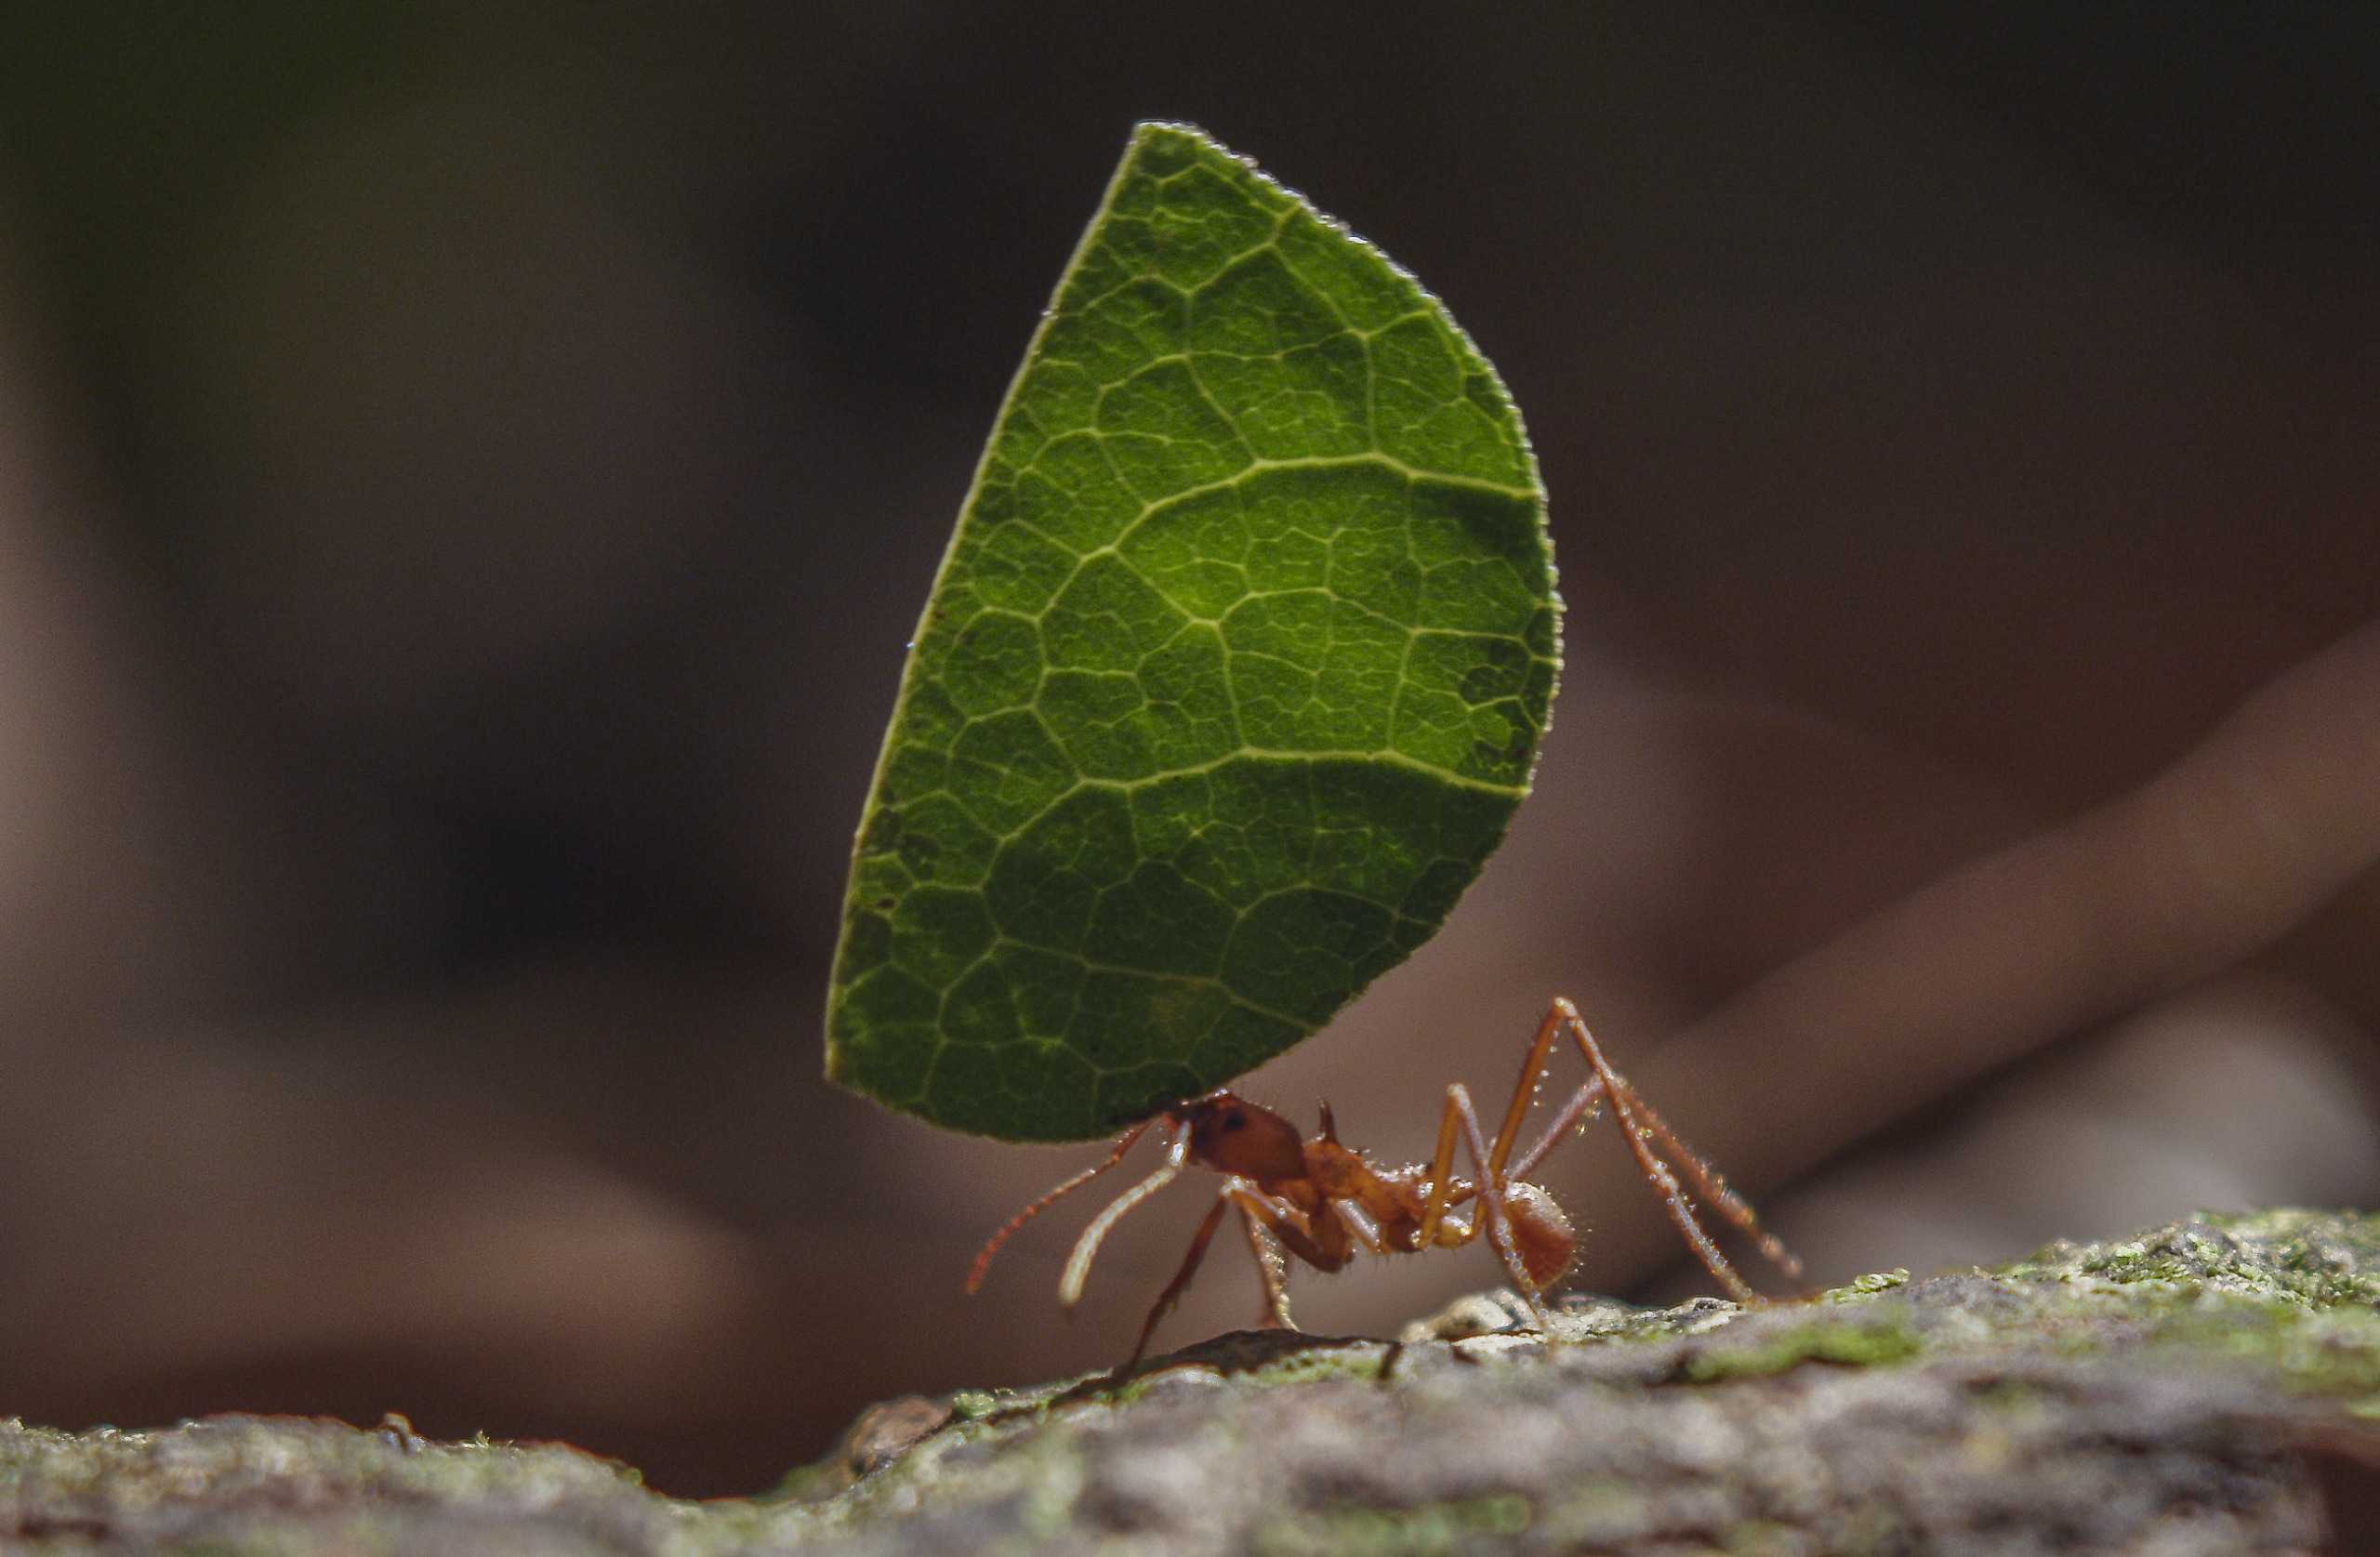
1087	1246
992	1244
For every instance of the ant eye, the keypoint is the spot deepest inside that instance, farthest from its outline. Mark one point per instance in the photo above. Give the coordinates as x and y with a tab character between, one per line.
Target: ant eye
1234	1121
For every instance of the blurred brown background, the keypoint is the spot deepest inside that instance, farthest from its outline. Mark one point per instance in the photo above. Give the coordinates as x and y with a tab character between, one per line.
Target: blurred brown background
467	474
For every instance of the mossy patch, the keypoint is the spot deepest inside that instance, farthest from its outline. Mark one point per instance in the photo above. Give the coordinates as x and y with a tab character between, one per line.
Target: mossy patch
2312	1258
1856	1345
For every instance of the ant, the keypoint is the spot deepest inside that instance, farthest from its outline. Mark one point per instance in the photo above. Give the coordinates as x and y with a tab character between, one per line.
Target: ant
1320	1199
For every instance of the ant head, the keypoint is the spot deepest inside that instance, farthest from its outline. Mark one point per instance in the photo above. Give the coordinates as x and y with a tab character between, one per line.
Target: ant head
1232	1135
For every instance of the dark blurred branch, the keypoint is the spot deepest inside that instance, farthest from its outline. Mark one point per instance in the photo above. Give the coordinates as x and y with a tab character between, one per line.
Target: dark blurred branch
2212	861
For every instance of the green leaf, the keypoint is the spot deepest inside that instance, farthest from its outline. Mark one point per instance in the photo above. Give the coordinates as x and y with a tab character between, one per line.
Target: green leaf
1231	680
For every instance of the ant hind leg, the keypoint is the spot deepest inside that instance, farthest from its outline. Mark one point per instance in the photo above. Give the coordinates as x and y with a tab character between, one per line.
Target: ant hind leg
1712	1187
1643	1128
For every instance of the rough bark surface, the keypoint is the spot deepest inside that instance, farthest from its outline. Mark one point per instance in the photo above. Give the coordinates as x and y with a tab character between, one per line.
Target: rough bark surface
2201	1389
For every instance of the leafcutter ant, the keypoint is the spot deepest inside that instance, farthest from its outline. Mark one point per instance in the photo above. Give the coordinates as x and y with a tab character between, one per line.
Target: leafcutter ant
1321	1200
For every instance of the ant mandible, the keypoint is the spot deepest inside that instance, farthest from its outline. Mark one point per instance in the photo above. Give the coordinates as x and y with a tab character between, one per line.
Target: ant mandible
1321	1200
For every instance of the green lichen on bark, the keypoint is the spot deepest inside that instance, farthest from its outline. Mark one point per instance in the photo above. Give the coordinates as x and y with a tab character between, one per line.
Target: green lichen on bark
2160	1392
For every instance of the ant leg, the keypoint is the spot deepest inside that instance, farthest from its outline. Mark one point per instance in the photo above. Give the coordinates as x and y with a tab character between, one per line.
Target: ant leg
992	1244
1524	1093
1462	1120
1087	1246
1181	1281
1272	1270
1584	1105
1284	1223
1499	1222
1713	1187
1261	1221
1441	1179
1360	1226
1533	1068
1631	1113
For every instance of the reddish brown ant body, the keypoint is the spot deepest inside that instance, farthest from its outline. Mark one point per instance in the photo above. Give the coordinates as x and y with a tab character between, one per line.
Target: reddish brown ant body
1321	1200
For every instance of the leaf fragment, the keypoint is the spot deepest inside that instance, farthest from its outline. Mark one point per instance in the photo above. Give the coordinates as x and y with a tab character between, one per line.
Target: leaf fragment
1231	680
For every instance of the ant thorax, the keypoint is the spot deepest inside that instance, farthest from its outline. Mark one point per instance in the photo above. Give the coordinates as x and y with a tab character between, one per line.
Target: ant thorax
1339	1172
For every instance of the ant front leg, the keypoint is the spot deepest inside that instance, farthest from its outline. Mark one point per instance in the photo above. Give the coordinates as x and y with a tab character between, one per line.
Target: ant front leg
1269	1226
1167	1299
1272	1270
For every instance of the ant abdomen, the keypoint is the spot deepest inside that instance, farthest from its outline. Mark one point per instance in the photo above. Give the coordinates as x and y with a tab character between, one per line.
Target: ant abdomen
1541	1235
